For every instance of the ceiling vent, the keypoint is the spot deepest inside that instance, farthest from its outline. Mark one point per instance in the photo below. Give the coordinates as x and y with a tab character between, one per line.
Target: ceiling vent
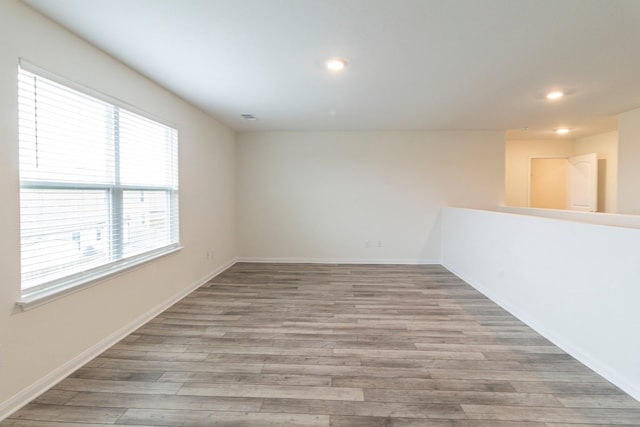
248	116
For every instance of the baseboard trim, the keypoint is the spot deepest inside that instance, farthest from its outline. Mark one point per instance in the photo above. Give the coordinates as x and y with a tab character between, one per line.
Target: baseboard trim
338	261
25	396
598	367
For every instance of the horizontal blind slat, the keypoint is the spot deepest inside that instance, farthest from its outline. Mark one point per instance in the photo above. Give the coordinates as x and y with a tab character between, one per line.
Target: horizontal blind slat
99	183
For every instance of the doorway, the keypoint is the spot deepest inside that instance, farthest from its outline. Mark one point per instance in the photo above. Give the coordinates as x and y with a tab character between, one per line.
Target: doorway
548	183
564	183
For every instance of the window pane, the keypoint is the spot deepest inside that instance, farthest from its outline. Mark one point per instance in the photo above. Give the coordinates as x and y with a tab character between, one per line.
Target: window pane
98	186
63	232
146	151
64	135
146	221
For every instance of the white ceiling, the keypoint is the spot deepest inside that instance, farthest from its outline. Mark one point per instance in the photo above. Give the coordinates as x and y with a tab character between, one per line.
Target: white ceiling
413	64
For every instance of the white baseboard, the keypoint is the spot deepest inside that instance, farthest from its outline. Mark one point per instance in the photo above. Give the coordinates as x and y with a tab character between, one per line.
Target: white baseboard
597	366
338	261
25	396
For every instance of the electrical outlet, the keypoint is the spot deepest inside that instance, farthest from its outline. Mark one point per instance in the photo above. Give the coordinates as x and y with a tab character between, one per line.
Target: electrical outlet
367	244
379	243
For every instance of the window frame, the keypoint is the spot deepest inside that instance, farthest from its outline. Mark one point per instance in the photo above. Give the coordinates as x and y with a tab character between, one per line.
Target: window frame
42	293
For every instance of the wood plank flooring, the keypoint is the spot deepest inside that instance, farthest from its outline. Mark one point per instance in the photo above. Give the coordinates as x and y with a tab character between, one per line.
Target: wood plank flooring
333	345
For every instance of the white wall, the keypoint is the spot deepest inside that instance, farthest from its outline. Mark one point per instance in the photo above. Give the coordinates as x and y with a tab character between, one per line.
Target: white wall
39	345
319	196
613	219
575	283
629	162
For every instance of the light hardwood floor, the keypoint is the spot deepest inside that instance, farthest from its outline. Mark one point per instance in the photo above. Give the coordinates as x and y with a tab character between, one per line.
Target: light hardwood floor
333	345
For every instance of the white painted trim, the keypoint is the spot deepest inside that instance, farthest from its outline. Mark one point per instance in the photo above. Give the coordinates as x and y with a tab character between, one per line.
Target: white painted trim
599	218
338	261
31	392
576	352
43	72
78	282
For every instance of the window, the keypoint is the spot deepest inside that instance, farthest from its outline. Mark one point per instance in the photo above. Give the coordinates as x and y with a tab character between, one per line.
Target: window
98	185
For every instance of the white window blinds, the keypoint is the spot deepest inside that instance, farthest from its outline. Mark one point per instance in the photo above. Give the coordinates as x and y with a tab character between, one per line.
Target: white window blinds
99	185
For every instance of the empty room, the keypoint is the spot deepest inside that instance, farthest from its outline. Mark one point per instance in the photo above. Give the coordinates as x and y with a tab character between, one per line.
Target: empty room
319	213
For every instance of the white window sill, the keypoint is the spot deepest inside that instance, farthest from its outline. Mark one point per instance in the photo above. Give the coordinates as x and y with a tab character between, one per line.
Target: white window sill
33	299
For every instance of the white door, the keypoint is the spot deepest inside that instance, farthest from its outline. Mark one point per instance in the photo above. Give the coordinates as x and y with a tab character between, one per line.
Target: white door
583	183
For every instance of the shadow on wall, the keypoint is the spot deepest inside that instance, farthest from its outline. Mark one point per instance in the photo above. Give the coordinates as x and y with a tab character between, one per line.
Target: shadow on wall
433	240
602	185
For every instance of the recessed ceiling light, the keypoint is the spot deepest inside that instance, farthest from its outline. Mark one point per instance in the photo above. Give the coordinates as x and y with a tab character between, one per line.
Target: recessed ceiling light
555	95
336	64
562	131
